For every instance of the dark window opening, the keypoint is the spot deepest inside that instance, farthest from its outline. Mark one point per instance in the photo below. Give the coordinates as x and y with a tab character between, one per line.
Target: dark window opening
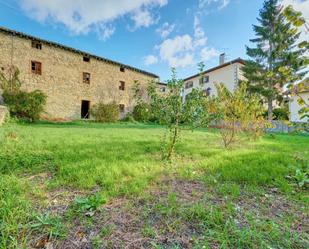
121	108
163	89
85	109
36	44
122	85
122	69
36	67
207	92
204	80
86	59
189	84
86	78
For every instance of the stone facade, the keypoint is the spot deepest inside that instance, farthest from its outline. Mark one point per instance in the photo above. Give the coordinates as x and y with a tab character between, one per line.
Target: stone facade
61	77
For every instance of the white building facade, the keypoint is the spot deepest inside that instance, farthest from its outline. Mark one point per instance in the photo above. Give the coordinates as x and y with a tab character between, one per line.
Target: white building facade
228	73
295	107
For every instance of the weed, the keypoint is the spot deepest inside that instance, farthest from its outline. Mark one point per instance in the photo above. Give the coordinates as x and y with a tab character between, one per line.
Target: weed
49	225
90	203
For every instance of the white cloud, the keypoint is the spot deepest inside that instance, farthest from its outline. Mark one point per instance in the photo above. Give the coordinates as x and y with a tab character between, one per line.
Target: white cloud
165	30
177	52
221	4
142	18
150	60
199	34
185	50
104	31
209	53
82	16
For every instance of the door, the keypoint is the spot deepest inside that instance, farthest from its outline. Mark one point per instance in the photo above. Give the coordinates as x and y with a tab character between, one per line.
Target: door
85	109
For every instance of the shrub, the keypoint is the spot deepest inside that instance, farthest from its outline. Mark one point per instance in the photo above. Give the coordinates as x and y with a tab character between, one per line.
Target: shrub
142	112
106	113
281	113
237	112
21	104
25	105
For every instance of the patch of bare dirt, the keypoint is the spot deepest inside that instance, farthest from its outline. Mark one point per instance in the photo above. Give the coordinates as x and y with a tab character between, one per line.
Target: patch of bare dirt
156	219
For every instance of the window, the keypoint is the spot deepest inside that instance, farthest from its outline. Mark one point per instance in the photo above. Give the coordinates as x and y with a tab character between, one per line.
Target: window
86	78
86	59
163	90
36	67
122	86
36	44
204	80
122	69
207	92
121	108
189	84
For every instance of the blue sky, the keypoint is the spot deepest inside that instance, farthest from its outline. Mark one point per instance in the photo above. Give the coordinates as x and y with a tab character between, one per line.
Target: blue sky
153	35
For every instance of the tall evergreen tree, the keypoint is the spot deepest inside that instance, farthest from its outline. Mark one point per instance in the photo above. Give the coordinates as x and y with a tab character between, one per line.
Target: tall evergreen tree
277	58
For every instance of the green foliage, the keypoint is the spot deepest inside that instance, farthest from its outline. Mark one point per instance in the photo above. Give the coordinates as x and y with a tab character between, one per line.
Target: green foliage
300	173
21	104
281	113
105	113
15	212
142	112
237	112
171	110
278	57
90	203
49	225
25	105
11	81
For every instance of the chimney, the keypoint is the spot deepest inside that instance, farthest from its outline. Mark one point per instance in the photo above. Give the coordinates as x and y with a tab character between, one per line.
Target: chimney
222	59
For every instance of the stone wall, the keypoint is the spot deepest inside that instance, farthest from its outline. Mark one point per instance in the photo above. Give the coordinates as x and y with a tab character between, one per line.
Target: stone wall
62	77
4	114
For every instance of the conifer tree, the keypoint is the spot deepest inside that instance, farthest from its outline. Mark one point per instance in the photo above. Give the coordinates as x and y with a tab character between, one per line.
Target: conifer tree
277	58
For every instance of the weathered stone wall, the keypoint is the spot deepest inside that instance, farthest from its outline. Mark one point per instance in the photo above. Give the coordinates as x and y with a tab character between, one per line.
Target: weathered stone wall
4	114
62	77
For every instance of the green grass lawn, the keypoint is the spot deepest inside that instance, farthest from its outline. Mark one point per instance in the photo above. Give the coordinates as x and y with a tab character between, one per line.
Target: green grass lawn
73	185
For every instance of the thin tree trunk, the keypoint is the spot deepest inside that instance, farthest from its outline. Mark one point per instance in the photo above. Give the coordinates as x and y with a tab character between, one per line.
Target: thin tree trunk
270	109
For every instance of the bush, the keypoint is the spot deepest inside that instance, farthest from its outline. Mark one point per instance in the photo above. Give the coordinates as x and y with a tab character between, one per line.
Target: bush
106	113
281	113
142	112
25	105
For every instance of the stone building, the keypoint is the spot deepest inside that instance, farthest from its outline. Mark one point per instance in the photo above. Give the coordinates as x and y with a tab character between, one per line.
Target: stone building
73	80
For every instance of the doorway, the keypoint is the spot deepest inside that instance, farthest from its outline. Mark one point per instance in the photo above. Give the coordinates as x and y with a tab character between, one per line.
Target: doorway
85	109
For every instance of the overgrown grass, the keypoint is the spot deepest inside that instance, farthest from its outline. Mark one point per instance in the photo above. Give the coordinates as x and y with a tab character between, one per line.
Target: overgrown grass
123	159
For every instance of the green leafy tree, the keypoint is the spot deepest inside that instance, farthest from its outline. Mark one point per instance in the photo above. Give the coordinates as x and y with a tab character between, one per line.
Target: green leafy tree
172	111
299	22
277	58
237	112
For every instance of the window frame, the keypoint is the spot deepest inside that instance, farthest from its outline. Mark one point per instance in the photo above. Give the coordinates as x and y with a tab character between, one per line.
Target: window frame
86	80
36	44
189	84
122	85
86	59
36	70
